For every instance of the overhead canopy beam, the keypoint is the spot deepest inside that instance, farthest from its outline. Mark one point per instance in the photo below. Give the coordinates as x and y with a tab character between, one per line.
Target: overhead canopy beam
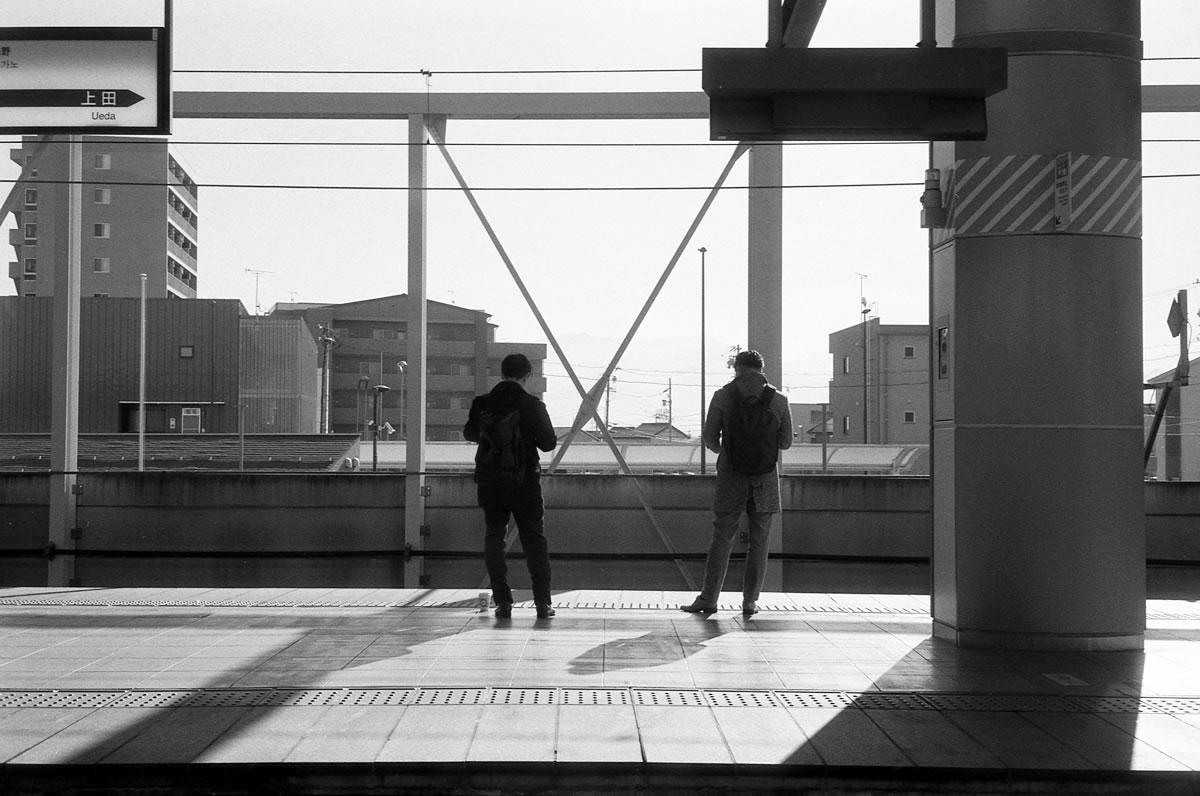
612	105
385	105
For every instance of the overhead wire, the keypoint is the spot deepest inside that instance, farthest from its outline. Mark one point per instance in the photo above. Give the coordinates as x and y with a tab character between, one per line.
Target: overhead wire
137	141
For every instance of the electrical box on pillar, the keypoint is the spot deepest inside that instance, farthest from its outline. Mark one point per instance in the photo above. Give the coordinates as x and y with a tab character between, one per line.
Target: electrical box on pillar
797	94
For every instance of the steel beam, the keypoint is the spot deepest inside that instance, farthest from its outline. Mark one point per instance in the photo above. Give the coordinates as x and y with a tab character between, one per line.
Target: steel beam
389	105
599	105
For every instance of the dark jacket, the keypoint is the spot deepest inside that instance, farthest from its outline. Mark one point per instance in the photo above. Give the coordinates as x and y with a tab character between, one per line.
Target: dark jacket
737	490
537	432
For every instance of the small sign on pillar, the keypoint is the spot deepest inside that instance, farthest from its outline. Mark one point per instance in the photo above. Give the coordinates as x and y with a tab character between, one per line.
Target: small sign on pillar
1062	191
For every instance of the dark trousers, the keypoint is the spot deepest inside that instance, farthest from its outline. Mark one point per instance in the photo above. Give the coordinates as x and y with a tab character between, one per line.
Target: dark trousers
524	504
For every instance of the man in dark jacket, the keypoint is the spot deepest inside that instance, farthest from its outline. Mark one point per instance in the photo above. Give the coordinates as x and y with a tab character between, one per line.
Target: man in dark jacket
756	493
504	494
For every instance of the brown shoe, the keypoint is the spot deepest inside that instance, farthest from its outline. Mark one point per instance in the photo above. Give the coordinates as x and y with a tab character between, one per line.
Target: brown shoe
698	606
504	611
545	611
749	608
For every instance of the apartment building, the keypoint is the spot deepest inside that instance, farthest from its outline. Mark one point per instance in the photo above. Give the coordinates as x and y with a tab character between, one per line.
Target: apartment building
879	392
368	346
139	214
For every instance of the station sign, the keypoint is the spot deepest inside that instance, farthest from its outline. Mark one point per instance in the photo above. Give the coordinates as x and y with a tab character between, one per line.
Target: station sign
85	80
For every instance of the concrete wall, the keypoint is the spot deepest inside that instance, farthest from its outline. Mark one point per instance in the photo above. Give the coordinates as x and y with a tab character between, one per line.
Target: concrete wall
238	523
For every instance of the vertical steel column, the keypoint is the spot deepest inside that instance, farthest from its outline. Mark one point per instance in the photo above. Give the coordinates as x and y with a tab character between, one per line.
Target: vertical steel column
764	306
141	424
64	400
416	347
1039	538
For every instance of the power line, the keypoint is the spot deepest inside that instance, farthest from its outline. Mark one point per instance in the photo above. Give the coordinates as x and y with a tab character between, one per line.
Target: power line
478	189
531	144
432	73
525	188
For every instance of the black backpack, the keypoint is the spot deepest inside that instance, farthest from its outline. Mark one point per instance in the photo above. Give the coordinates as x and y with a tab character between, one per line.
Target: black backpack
500	457
752	433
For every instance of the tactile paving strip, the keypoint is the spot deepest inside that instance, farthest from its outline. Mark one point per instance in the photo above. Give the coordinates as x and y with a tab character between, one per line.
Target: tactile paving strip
637	697
424	601
667	697
119	602
1003	702
742	699
594	696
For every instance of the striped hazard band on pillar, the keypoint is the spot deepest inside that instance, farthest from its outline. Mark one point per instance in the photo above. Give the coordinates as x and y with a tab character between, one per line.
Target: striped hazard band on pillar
1023	194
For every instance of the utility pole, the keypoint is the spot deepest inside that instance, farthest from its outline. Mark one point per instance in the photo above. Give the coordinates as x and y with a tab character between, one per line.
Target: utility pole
670	412
862	298
327	341
607	394
703	390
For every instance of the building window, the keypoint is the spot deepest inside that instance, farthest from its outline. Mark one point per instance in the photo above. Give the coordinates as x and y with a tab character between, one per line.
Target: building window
103	162
910	352
186	352
102	230
31	233
101	265
845	424
102	196
30	268
31	198
910	416
845	364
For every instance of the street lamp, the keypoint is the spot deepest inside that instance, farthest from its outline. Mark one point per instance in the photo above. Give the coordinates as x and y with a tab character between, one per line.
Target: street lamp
380	389
364	383
703	396
402	366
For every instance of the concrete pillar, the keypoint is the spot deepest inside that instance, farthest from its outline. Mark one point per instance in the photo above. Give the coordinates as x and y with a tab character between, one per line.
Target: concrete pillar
1036	314
764	306
416	348
64	394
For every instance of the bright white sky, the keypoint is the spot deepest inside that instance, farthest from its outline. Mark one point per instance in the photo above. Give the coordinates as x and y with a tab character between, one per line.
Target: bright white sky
589	258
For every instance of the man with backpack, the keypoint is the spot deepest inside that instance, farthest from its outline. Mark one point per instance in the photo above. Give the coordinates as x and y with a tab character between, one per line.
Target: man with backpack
510	427
748	423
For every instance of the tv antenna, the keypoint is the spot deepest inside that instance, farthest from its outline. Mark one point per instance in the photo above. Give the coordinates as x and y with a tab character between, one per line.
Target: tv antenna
257	274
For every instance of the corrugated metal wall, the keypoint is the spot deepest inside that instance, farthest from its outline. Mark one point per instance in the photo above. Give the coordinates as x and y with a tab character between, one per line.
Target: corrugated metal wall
25	325
206	329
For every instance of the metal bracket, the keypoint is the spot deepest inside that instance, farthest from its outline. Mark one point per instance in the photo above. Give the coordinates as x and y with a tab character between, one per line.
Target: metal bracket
49	551
77	488
426	490
408	548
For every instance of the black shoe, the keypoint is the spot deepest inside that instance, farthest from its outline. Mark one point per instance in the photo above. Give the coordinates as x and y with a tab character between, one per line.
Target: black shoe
749	608
698	606
504	611
545	611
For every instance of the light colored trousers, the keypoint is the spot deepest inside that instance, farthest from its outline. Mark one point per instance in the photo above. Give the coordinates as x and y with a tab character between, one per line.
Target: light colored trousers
725	526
